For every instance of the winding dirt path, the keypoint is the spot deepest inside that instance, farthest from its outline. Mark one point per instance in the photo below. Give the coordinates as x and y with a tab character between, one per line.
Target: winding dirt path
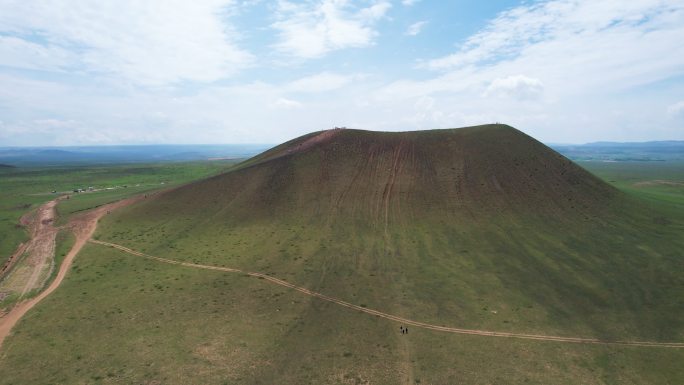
83	227
41	247
391	317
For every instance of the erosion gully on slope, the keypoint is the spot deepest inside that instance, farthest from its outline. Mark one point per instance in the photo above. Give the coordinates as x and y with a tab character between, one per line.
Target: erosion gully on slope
391	317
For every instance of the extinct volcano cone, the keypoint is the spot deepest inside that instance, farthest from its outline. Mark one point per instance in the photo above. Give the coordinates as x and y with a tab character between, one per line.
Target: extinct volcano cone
458	175
444	225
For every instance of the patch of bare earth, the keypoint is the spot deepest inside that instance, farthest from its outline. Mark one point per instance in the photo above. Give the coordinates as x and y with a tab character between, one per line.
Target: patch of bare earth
657	182
11	261
31	264
231	363
348	379
320	138
43	238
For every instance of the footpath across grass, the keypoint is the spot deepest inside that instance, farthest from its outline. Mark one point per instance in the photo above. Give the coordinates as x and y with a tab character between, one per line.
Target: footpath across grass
119	318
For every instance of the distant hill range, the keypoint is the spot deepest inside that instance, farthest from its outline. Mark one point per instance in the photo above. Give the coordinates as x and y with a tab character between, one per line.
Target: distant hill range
45	156
79	155
628	151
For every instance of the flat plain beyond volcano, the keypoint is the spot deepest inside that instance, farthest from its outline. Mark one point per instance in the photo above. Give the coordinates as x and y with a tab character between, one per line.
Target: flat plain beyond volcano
479	228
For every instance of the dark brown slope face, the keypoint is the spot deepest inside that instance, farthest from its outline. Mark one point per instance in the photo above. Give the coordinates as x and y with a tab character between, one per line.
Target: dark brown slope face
459	174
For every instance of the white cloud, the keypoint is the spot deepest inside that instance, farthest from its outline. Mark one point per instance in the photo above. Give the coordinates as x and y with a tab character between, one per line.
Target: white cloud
312	29
415	28
594	33
676	109
288	103
54	123
409	3
154	42
375	12
518	87
321	82
563	71
19	53
52	131
593	57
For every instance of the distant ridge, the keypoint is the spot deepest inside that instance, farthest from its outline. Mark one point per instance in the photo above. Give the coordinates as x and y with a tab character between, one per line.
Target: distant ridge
80	155
667	150
662	143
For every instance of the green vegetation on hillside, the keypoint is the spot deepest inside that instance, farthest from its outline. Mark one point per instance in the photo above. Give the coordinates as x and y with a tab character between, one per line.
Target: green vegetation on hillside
121	319
63	243
479	228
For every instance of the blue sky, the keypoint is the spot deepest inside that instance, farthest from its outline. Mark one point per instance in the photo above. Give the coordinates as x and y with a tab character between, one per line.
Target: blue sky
77	72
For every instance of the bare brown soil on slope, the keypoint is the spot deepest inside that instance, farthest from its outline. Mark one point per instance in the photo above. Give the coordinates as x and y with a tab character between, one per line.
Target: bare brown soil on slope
40	245
461	175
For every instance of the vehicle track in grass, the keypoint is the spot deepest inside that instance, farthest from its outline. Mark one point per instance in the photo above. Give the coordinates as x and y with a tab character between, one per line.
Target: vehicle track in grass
83	227
391	317
41	247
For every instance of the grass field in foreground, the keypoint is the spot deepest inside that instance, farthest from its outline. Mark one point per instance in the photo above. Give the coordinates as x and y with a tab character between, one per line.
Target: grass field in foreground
121	319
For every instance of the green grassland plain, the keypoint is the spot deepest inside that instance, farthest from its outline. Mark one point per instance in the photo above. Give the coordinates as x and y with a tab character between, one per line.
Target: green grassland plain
25	188
121	319
657	181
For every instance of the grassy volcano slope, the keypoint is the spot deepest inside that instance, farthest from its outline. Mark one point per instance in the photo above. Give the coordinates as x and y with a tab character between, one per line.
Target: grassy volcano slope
479	227
453	175
121	319
459	218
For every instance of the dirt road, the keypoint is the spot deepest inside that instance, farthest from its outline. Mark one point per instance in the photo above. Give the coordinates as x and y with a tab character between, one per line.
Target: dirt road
404	321
41	248
83	226
33	269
